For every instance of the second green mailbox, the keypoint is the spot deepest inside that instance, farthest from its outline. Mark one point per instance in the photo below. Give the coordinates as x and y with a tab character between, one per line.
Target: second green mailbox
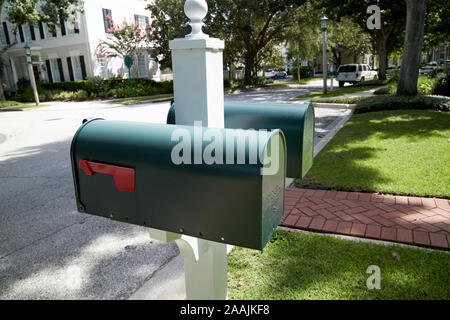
295	120
127	171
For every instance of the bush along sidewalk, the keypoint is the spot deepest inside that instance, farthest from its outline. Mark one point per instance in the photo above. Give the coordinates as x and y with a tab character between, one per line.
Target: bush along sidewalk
393	102
92	88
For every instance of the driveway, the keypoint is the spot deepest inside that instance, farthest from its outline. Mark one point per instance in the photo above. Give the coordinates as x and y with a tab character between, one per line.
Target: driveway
47	249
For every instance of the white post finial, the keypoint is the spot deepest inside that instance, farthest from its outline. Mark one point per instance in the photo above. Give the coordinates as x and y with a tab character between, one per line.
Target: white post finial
196	11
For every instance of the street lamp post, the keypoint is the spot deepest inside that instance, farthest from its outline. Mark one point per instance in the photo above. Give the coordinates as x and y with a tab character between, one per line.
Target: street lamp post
31	73
324	25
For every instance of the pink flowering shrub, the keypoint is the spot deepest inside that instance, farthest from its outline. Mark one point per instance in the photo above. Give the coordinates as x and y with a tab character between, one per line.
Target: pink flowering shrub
125	40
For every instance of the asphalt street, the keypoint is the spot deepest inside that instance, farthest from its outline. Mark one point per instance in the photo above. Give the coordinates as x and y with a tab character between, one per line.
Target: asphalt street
50	251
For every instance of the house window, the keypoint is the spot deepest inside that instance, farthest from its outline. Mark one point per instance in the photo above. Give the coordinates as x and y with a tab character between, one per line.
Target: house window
48	33
72	28
55	70
77	70
142	67
3	36
102	67
107	15
27	32
142	21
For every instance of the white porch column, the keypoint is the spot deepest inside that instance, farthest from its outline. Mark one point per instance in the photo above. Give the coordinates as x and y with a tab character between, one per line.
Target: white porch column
14	72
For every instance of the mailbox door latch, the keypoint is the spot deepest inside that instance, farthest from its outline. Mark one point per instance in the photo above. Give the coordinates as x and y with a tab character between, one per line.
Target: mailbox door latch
123	177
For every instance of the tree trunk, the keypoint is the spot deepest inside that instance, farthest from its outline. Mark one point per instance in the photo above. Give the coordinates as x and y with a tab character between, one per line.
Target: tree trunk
249	66
299	73
383	59
415	25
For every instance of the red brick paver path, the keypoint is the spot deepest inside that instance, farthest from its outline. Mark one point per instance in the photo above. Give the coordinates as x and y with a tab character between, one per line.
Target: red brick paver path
411	220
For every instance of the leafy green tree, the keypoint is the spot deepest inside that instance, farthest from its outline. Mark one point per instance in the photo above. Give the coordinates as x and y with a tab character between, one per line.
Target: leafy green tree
259	23
252	25
19	12
437	26
388	38
271	58
31	12
304	36
346	38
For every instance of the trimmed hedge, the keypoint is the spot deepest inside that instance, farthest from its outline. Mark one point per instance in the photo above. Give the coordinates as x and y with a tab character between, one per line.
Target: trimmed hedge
393	102
305	72
94	87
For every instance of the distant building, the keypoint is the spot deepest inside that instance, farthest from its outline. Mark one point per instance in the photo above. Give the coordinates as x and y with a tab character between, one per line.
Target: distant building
70	53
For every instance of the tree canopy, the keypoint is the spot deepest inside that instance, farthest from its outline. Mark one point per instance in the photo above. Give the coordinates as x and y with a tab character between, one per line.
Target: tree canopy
391	35
247	25
31	12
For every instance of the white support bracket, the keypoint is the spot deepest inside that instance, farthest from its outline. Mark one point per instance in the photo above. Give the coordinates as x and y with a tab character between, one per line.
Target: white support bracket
205	265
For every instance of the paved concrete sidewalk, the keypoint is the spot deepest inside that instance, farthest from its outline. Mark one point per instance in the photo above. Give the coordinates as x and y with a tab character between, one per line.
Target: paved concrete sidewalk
411	220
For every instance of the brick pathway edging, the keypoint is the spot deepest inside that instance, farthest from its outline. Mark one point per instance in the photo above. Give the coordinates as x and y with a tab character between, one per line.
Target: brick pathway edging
410	220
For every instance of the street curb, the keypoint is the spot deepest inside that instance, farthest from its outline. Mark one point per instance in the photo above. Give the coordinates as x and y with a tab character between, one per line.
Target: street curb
338	124
334	105
145	101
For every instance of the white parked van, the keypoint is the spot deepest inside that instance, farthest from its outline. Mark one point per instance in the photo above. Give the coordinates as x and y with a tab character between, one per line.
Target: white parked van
354	73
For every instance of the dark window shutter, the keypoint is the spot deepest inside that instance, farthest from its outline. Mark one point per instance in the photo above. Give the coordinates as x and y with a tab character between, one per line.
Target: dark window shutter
69	64
49	71
147	21
22	38
83	67
61	71
41	30
5	29
63	26
136	19
33	35
76	28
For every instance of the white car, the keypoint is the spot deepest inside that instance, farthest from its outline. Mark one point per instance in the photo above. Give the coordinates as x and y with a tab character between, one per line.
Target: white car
270	74
280	74
426	69
354	73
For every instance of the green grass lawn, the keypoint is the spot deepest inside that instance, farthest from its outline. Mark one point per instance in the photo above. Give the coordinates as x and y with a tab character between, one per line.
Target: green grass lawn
297	266
11	104
140	99
14	105
404	152
337	92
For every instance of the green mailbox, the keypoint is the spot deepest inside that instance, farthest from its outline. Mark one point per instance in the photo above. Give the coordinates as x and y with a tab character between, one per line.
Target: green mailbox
295	120
131	172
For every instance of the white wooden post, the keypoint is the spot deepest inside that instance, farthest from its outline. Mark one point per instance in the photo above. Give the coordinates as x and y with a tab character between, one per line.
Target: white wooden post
198	86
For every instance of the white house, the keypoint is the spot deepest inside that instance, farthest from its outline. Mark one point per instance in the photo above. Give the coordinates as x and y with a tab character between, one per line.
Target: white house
70	54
